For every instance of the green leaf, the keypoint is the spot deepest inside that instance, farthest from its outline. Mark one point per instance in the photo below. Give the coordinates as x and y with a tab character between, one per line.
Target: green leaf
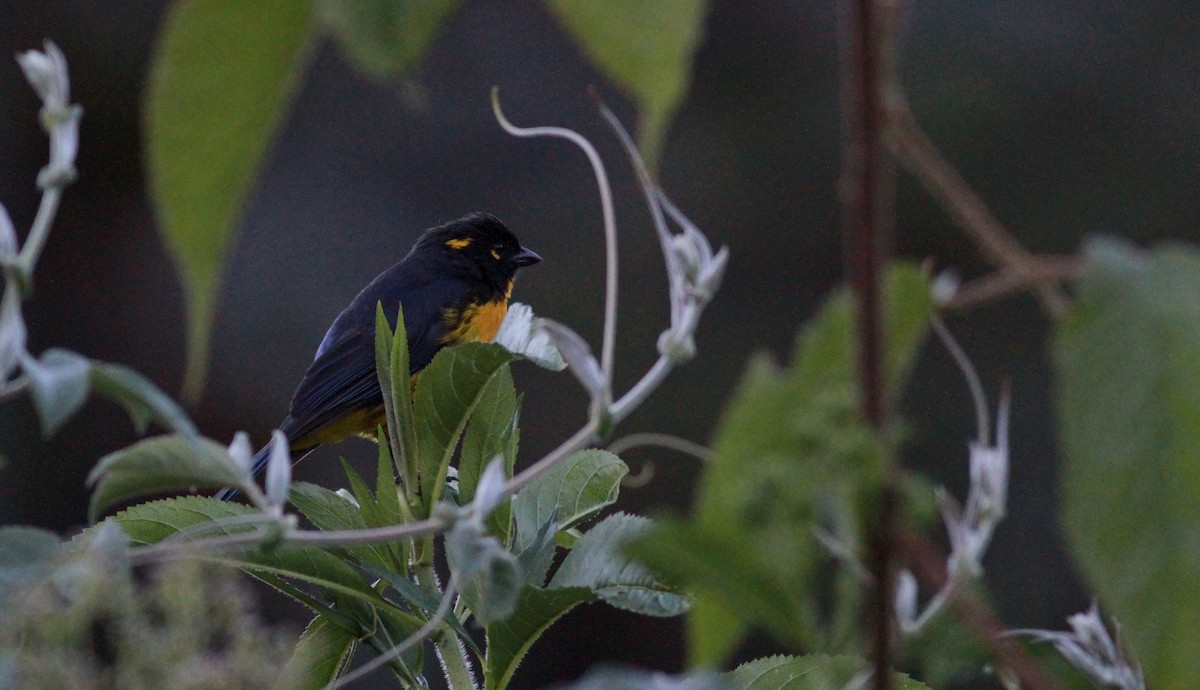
222	76
25	553
645	47
159	465
321	655
491	576
508	640
810	672
143	400
791	453
385	38
329	511
59	383
392	370
492	431
150	523
1128	360
599	563
572	492
446	394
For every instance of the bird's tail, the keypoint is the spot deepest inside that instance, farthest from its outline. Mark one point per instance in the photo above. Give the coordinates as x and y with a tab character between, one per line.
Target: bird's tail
259	464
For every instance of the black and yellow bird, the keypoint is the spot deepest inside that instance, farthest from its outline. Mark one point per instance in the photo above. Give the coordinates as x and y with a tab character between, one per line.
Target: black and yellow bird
454	286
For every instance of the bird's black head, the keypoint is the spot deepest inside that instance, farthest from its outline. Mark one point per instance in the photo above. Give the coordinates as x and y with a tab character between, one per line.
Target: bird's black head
480	242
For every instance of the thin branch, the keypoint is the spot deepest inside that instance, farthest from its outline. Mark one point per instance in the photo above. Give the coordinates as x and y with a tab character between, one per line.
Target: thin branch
668	441
982	425
435	621
1006	281
918	154
975	615
608	346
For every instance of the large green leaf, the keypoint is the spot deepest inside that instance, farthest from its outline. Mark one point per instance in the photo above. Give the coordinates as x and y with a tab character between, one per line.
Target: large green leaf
330	511
508	640
150	523
1128	362
645	47
446	394
320	655
599	563
159	465
792	453
492	431
811	672
385	38
575	490
222	76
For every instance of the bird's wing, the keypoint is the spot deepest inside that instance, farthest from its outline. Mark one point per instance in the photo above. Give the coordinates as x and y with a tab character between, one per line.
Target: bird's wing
342	377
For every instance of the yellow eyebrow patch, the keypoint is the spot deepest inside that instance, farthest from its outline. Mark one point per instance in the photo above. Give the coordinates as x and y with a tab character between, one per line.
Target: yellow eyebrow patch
495	255
460	243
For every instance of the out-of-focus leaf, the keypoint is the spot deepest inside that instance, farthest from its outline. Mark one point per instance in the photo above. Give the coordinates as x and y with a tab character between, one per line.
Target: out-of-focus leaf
1128	359
573	491
320	655
59	383
25	553
508	640
810	672
385	38
606	677
599	563
222	76
447	392
143	400
791	453
645	47
159	465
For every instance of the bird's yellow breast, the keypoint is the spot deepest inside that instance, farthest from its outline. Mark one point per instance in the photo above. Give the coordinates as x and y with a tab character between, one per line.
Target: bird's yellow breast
477	322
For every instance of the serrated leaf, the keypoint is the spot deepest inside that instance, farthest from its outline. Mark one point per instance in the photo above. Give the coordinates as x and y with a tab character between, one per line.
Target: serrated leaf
447	392
320	655
385	38
150	523
59	384
810	672
598	562
538	556
508	640
791	453
330	511
645	47
1128	361
25	553
492	431
144	401
159	465
222	76
572	492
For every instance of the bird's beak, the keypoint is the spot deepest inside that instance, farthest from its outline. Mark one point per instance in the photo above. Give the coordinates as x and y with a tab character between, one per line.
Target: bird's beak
526	257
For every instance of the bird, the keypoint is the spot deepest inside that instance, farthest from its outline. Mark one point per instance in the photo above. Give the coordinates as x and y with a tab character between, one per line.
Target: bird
454	286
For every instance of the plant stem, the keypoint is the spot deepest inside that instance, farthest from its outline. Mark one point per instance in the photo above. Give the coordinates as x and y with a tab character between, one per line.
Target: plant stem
867	193
38	234
450	650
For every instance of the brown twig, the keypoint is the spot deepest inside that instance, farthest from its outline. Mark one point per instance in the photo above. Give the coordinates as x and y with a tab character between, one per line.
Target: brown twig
930	566
918	154
867	193
1039	271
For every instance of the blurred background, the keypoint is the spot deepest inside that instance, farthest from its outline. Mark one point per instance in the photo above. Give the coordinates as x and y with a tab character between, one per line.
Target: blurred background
1068	118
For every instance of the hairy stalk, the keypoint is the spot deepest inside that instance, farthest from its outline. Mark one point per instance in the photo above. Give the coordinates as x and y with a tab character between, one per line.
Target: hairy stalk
450	650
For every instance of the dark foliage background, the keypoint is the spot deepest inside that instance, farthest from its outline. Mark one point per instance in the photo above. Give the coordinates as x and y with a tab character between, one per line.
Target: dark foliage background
1068	118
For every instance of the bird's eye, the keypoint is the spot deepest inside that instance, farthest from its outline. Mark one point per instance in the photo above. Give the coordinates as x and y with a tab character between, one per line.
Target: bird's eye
498	247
